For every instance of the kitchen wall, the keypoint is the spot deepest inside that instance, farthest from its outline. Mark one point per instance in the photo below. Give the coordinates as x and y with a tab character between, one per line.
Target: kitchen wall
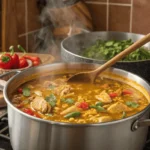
120	15
109	15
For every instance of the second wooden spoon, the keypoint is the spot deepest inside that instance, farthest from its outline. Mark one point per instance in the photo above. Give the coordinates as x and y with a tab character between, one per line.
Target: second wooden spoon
90	76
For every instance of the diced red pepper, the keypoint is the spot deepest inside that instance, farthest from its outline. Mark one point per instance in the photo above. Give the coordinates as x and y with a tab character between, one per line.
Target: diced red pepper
83	105
125	92
20	90
113	95
28	111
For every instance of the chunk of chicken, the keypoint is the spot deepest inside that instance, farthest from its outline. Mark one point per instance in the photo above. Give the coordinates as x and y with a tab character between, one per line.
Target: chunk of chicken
63	90
105	119
41	105
70	109
17	98
104	97
118	108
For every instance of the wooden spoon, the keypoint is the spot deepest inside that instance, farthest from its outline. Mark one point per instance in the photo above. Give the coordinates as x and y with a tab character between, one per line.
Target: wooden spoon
90	76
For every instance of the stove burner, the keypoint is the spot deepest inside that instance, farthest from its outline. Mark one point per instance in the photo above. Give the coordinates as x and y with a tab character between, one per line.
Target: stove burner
4	132
5	139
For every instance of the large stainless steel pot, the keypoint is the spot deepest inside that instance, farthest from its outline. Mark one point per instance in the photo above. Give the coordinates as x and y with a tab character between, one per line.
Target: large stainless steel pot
30	133
72	47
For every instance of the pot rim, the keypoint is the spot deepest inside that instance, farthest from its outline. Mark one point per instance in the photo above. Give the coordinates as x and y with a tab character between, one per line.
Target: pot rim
137	115
102	61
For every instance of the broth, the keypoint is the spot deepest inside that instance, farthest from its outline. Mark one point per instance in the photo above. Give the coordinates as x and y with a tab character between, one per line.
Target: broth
55	99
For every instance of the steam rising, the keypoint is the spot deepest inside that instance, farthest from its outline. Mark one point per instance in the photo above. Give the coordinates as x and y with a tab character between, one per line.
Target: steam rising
60	19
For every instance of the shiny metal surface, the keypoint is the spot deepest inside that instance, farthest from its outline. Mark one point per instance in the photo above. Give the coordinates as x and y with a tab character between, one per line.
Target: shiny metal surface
72	47
30	133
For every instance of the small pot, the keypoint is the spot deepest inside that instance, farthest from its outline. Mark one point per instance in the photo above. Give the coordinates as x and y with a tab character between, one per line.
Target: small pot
72	47
31	133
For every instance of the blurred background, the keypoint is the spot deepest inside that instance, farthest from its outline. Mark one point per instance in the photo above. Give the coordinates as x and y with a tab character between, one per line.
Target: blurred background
40	25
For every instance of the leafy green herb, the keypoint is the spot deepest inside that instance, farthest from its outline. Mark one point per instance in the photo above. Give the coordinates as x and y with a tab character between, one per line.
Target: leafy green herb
132	104
98	108
73	114
123	114
26	91
68	100
51	100
105	50
99	104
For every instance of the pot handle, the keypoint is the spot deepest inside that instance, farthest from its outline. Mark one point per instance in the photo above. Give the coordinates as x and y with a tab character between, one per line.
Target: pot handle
140	123
5	77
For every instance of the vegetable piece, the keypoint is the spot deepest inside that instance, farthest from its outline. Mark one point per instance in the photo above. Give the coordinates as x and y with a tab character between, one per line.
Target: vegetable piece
51	100
20	90
73	114
105	50
26	91
22	62
98	108
5	61
28	111
15	58
83	105
125	92
132	104
123	114
68	100
99	104
35	60
113	95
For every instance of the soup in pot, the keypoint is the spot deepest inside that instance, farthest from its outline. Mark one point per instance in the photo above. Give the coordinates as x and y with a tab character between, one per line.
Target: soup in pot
56	100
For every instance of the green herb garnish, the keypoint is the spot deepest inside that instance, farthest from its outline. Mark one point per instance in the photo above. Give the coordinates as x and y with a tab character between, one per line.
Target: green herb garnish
73	114
26	91
51	100
98	108
99	104
132	104
68	100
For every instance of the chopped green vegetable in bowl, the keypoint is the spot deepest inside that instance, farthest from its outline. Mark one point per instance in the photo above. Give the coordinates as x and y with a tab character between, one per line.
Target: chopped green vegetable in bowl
105	50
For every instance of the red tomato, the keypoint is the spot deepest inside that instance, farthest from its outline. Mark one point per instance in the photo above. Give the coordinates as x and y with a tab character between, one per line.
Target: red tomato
125	92
112	95
28	111
20	90
83	105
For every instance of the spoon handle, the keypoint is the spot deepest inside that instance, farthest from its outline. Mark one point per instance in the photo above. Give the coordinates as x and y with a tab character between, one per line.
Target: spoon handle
119	56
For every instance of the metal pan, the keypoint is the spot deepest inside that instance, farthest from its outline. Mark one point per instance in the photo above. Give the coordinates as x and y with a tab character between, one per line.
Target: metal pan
72	47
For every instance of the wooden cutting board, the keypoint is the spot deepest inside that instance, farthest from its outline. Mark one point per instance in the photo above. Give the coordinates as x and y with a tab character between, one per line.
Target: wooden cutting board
45	59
